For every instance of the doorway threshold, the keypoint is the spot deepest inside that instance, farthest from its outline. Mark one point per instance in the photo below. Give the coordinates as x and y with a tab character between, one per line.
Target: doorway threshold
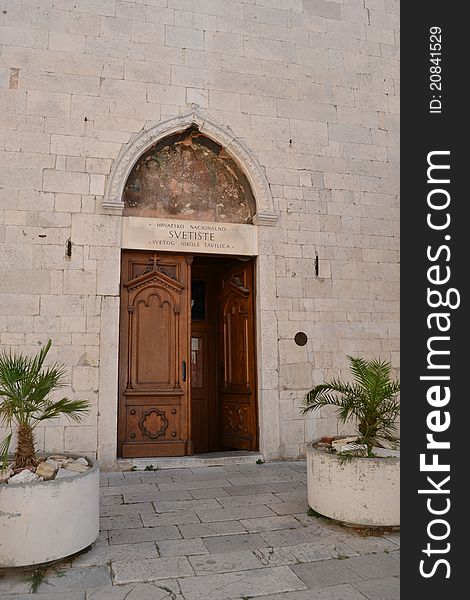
209	459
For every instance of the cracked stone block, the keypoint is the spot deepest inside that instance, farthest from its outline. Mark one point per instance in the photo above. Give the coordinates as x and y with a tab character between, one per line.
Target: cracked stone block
150	570
225	562
257	582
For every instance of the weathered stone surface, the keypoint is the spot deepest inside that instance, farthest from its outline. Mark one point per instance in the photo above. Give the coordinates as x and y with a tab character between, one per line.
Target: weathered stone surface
76	579
270	523
25	476
234	543
211	529
326	572
159	590
102	555
144	534
185	547
77	467
238	513
150	570
225	562
45	470
334	592
385	587
257	582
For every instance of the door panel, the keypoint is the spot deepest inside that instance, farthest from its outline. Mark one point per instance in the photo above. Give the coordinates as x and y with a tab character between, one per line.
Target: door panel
154	345
237	358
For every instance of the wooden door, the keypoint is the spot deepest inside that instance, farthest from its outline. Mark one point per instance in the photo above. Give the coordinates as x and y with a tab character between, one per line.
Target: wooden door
154	412
237	390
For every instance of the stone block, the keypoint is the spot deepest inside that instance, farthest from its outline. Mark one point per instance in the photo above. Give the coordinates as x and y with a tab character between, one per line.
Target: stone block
215	529
185	547
150	570
182	37
143	534
225	562
256	582
66	42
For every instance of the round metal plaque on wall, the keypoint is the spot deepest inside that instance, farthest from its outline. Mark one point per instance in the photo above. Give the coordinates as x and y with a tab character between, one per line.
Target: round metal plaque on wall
300	338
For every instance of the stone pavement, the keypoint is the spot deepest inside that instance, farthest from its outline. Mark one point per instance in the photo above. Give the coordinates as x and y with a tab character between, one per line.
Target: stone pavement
217	533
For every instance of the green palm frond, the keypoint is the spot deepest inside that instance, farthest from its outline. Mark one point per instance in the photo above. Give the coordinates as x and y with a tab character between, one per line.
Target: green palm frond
73	409
370	399
4	450
25	389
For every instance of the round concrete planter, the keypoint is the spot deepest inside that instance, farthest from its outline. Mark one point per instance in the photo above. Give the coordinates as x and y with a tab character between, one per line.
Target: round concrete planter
47	520
363	491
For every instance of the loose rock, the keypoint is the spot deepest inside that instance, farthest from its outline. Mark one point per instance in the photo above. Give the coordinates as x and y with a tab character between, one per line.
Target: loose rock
26	476
60	459
82	461
77	467
46	470
64	473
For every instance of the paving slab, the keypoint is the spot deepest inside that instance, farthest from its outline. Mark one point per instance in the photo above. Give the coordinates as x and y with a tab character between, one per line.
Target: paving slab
257	499
150	570
155	495
289	508
208	493
225	562
132	521
284	537
334	592
234	514
234	543
174	505
302	553
254	583
270	523
211	529
249	489
376	565
126	509
74	579
180	517
157	590
102	555
370	545
195	484
325	573
145	534
185	547
385	588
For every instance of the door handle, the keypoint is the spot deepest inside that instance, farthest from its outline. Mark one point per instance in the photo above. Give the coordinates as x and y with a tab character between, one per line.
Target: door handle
184	371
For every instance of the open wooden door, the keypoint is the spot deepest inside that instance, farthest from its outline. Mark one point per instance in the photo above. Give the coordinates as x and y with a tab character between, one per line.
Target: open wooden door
154	408
237	382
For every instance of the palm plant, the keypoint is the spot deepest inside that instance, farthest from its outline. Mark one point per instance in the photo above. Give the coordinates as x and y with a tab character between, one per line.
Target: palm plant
25	388
370	399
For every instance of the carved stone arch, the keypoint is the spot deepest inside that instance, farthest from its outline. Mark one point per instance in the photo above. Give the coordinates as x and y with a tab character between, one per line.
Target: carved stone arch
141	142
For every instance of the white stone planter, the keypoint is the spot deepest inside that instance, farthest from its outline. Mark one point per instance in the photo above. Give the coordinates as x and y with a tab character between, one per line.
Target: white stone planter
48	520
364	491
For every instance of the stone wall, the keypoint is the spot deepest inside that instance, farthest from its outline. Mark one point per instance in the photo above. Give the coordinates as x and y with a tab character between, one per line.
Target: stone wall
310	87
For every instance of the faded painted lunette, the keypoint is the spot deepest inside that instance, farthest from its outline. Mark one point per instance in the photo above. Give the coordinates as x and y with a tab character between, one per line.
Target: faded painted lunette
206	237
364	491
47	520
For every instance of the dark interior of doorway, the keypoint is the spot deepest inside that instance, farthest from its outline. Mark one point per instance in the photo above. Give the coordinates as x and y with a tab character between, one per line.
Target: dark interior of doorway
207	280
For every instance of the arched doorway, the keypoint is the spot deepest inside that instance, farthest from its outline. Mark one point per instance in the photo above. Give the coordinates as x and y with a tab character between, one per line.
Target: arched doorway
187	355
